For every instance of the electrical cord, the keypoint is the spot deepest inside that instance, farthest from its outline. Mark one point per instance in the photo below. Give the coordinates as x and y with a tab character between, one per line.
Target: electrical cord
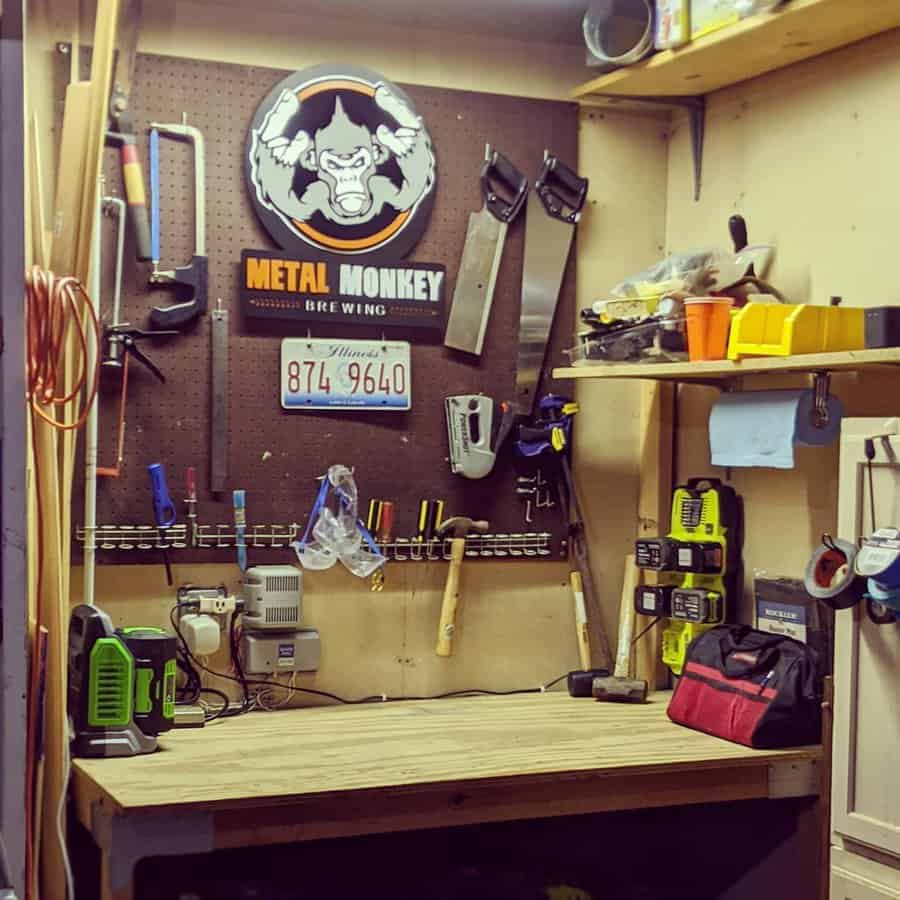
51	310
246	682
643	631
224	711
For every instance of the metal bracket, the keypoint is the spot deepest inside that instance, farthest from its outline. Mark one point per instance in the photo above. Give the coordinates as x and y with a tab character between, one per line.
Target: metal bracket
696	108
821	388
794	778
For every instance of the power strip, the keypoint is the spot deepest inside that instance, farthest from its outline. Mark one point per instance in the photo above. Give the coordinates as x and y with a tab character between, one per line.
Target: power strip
213	600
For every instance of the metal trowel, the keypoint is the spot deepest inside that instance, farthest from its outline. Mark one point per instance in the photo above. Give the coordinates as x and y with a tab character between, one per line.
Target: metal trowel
482	252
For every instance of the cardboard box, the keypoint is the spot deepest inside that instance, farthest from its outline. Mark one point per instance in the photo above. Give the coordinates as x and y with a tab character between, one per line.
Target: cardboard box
782	606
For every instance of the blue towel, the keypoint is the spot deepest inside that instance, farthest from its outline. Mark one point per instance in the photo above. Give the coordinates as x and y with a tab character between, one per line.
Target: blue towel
761	428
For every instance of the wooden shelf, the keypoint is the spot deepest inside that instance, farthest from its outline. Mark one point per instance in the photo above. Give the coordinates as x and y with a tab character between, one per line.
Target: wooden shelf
723	370
757	45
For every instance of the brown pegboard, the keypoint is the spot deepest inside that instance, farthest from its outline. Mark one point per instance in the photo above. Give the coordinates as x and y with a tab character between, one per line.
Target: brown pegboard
273	454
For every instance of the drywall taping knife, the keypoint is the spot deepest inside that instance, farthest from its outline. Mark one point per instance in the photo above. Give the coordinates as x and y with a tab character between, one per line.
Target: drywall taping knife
554	209
190	281
482	252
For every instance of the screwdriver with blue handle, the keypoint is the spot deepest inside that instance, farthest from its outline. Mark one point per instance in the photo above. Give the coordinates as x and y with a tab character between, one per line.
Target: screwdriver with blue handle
163	510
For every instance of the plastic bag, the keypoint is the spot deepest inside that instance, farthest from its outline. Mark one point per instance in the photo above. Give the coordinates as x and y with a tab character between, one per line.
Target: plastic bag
337	533
679	272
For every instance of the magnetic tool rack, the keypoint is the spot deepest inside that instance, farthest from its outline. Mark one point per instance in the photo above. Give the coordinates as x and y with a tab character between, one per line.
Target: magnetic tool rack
130	538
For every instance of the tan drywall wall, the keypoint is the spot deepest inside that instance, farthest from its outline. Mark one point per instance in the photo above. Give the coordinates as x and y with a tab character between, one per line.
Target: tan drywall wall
515	629
516	621
808	155
622	231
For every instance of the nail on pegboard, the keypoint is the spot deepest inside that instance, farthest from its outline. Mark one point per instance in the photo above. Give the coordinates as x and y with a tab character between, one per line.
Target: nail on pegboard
274	455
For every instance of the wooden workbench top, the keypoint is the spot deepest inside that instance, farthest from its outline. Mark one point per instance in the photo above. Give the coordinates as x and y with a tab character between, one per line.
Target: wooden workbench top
282	756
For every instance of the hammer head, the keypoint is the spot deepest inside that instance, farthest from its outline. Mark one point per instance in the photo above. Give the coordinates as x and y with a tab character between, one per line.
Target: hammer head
460	526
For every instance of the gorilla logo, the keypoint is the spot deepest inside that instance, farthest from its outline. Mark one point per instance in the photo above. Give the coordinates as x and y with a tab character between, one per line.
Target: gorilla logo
339	159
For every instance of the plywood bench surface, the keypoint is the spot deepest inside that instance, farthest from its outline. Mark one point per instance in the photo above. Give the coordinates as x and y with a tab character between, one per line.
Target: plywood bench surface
300	753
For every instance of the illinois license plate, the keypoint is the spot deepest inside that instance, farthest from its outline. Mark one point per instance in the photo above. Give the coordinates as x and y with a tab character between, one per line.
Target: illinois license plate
323	373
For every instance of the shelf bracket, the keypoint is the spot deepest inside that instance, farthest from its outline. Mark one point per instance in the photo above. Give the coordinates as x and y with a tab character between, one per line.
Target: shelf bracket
696	108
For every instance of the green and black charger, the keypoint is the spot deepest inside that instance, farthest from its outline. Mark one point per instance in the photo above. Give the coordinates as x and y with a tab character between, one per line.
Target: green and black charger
121	685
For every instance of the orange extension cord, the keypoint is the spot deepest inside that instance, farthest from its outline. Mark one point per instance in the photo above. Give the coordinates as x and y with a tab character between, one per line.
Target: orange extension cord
53	308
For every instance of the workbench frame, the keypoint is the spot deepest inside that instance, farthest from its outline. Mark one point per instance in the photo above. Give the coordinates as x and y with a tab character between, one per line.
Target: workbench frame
127	834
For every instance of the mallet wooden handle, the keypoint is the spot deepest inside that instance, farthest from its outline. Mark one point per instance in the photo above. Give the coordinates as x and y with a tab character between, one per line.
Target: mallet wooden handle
581	625
451	599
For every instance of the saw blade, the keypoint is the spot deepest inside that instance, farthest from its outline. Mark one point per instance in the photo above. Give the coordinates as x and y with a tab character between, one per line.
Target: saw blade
474	289
547	243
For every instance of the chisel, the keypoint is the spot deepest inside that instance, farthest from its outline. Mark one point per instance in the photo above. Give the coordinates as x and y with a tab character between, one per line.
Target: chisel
239	501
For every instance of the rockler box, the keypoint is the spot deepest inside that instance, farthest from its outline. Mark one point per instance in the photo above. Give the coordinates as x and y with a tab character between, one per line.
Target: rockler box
784	607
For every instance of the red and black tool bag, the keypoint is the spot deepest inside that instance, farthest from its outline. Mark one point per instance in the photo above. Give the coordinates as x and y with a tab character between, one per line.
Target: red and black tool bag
751	687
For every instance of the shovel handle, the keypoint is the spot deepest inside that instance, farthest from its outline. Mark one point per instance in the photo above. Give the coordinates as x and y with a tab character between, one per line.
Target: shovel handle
451	599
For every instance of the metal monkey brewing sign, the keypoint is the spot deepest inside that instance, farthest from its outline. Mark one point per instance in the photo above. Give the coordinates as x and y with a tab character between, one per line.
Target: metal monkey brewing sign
342	174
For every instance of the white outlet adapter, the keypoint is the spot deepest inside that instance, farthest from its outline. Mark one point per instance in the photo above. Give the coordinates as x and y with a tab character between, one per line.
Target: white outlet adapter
201	633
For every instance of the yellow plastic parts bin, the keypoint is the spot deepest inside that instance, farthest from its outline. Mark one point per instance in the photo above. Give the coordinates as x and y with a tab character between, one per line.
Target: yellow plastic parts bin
777	329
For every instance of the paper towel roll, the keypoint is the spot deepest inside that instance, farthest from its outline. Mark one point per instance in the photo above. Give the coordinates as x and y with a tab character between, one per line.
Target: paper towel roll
761	428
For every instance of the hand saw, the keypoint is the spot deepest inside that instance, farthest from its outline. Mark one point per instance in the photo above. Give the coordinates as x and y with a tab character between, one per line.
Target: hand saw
482	252
554	209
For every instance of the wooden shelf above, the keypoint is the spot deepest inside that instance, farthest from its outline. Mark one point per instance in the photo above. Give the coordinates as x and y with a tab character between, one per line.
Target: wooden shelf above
724	370
752	47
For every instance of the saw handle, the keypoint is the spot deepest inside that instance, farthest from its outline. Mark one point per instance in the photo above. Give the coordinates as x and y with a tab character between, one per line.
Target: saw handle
190	283
561	191
451	599
498	172
135	196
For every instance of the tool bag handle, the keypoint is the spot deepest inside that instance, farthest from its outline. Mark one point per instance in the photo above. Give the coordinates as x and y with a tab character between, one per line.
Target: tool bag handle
497	172
561	190
757	652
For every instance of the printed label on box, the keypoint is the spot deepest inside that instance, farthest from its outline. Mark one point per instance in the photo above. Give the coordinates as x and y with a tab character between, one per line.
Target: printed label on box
781	618
286	655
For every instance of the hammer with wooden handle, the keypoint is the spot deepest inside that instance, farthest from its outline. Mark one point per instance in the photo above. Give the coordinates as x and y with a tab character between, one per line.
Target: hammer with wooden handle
456	528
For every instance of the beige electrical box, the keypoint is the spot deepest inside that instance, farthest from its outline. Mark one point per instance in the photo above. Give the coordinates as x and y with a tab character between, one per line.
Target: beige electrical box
296	651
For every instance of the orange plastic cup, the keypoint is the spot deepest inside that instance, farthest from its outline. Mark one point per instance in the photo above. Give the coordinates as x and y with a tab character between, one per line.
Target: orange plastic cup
708	323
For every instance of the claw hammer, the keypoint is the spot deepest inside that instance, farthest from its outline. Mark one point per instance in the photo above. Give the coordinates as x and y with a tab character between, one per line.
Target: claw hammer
456	528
